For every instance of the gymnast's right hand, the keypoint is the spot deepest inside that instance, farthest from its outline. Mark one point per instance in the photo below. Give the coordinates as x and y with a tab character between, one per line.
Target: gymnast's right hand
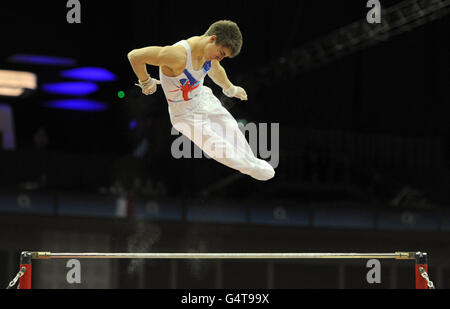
149	86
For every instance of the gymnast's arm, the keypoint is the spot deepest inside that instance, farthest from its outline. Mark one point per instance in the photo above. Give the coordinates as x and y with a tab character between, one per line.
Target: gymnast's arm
170	56
219	77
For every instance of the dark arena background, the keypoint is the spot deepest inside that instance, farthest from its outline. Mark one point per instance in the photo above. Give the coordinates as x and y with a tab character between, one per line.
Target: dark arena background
352	113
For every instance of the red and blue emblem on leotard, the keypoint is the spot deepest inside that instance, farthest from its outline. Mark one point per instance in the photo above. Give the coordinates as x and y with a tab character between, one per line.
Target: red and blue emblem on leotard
189	84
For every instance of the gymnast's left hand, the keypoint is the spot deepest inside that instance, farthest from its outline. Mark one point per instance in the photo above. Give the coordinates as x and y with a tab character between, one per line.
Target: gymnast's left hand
236	92
241	94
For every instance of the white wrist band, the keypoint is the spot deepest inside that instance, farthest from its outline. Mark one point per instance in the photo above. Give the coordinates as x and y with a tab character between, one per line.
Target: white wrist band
230	92
150	81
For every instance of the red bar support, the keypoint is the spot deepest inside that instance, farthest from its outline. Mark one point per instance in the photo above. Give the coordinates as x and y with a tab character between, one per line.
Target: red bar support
25	280
421	262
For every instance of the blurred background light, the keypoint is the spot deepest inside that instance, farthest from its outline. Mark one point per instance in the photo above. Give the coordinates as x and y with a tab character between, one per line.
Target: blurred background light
77	105
71	88
90	74
13	83
133	124
7	140
11	92
41	60
17	79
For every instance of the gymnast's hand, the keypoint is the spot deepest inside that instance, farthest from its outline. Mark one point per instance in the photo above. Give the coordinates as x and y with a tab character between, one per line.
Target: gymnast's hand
236	92
149	86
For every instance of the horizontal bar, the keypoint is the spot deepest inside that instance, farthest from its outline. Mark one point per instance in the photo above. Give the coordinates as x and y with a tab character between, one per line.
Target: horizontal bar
52	255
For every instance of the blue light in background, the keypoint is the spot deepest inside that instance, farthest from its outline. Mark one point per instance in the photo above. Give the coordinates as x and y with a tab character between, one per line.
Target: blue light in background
78	105
133	124
41	60
90	74
71	88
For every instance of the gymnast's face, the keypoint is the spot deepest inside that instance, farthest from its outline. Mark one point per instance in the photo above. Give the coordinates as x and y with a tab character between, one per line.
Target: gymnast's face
214	51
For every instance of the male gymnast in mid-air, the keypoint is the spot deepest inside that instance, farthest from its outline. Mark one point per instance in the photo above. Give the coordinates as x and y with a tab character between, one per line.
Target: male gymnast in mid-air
193	108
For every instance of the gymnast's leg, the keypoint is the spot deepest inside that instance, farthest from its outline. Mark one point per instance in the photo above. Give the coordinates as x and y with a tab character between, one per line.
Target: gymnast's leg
198	129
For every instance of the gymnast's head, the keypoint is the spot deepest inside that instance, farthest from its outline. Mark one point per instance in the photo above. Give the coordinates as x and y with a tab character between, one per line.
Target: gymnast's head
226	34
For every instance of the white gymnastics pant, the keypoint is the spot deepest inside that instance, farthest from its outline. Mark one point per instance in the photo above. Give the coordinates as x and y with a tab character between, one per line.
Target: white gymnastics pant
212	128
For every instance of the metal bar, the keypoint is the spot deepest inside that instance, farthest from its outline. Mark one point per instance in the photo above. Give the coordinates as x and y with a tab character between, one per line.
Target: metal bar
396	255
